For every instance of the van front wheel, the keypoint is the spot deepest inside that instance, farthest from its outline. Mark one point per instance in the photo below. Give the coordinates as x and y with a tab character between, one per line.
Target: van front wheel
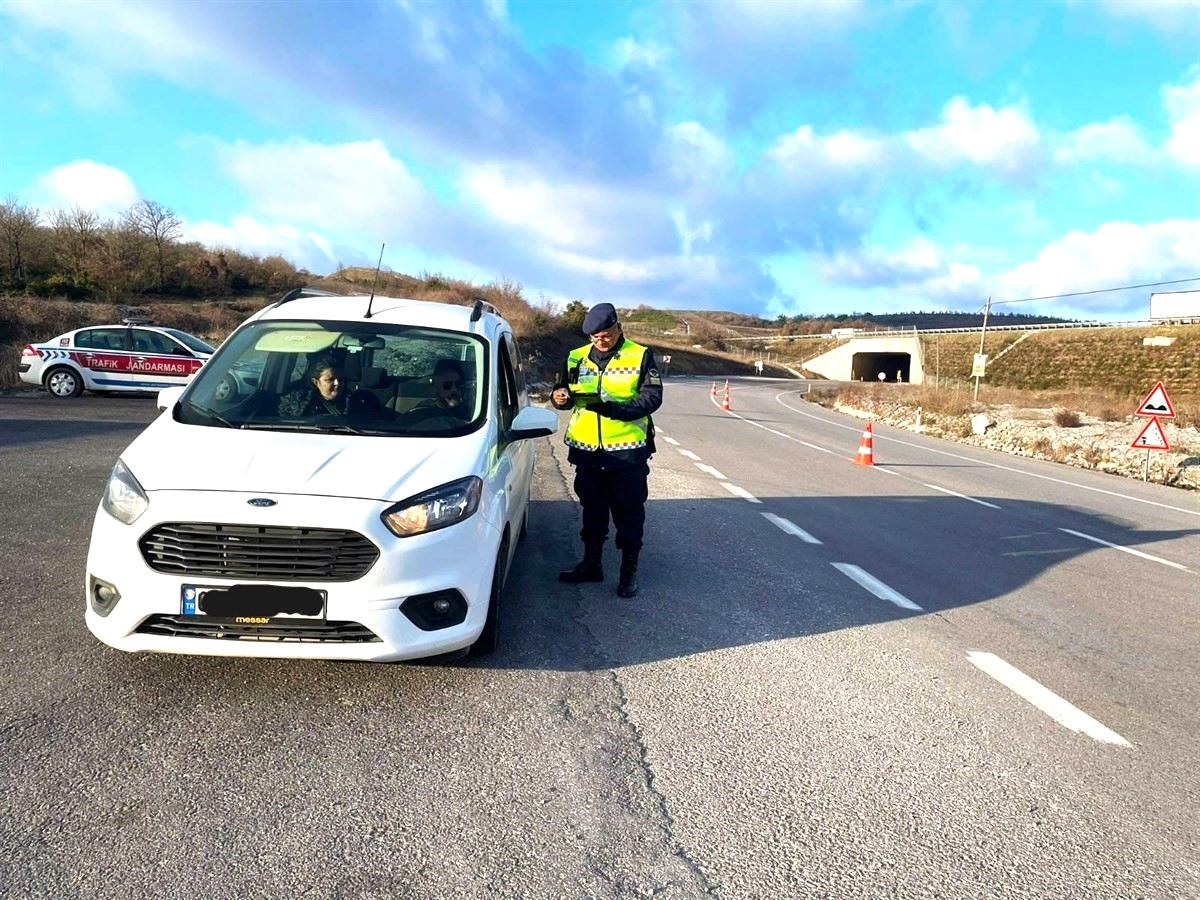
488	639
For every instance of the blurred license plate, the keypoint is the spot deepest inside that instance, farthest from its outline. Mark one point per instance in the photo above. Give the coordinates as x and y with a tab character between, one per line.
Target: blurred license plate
253	601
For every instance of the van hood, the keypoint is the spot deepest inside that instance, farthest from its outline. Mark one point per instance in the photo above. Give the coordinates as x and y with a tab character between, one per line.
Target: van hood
172	456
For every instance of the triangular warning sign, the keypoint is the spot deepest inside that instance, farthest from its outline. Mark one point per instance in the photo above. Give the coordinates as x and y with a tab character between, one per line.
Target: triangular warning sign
1157	403
1152	437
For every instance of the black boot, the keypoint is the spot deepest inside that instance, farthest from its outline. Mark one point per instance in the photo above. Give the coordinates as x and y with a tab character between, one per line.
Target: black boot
589	569
628	586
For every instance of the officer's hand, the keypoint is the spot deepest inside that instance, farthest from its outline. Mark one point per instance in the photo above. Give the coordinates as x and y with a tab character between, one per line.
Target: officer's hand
561	396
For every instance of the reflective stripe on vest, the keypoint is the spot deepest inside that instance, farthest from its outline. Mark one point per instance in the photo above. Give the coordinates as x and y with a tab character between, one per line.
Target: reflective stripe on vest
588	430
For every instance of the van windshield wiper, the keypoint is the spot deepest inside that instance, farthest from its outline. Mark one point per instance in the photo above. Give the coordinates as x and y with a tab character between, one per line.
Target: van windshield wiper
213	414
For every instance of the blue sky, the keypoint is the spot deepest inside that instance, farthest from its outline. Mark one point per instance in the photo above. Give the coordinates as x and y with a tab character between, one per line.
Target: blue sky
762	156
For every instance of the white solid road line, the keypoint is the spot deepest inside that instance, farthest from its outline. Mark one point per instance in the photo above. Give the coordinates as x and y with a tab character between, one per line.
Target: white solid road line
961	496
1044	699
773	431
875	586
790	527
984	462
739	492
1130	550
669	440
705	467
690	455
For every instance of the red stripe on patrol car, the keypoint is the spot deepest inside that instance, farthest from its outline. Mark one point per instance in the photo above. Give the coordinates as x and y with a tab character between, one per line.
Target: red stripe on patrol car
135	364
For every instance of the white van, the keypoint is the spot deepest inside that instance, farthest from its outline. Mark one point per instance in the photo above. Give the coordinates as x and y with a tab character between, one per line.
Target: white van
346	478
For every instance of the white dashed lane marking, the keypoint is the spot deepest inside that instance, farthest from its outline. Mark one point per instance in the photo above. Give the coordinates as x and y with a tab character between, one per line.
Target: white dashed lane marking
739	492
1043	698
690	455
704	467
790	527
934	487
875	586
1129	550
669	440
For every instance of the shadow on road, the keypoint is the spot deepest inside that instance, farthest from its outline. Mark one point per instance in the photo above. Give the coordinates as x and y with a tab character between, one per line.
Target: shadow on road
27	432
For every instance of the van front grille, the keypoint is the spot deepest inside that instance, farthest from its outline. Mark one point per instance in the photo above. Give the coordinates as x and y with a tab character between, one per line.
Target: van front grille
257	552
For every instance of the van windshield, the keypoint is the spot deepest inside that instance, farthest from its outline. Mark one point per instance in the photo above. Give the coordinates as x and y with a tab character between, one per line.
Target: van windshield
342	377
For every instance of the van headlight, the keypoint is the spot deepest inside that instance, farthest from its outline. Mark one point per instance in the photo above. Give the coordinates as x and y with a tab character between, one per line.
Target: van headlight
438	508
124	498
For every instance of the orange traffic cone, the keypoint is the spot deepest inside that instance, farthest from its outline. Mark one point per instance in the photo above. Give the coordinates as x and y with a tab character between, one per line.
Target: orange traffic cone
866	453
713	392
725	403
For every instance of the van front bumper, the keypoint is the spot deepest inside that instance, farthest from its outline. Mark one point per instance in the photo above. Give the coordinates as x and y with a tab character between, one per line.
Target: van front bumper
362	618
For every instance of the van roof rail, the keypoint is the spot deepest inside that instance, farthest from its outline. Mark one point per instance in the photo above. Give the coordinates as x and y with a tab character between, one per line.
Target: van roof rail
297	293
482	306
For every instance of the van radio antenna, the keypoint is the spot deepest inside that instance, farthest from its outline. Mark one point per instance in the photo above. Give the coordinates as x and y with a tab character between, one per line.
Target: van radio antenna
378	266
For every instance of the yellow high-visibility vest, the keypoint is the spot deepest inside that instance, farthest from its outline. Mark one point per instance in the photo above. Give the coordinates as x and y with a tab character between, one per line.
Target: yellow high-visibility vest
587	429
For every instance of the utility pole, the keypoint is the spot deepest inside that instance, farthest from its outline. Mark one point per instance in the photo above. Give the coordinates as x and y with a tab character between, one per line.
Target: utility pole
982	331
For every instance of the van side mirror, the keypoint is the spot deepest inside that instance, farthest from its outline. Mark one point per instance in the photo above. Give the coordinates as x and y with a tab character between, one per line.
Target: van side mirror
533	422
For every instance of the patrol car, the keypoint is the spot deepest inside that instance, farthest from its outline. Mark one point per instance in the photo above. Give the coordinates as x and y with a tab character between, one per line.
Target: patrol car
132	356
278	515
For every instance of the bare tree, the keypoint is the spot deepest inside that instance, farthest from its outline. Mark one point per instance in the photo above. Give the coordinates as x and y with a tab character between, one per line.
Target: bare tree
77	234
17	226
159	225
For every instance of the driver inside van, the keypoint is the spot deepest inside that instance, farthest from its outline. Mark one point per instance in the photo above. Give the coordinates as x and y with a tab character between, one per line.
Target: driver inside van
322	394
448	383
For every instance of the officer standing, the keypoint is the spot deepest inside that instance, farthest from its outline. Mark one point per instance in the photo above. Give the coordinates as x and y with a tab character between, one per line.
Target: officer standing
612	386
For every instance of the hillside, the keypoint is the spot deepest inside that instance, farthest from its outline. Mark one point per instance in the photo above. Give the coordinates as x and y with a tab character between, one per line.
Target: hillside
545	335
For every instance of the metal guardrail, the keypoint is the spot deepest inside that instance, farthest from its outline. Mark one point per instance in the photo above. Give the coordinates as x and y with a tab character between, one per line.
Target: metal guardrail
1048	326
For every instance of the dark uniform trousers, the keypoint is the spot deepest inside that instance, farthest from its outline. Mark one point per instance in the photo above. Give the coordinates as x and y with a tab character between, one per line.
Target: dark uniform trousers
620	492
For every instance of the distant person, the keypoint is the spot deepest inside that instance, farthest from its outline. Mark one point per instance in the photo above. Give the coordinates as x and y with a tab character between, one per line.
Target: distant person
612	386
323	393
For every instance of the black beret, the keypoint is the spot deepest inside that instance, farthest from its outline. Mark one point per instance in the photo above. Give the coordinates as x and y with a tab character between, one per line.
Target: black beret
599	317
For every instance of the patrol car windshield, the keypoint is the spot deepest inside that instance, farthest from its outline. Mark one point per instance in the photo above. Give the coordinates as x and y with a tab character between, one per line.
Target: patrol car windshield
339	377
188	340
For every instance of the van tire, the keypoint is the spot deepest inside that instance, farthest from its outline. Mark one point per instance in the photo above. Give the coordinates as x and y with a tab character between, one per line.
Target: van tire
488	639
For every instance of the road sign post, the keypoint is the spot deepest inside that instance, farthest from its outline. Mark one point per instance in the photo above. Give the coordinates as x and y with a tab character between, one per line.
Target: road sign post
1157	405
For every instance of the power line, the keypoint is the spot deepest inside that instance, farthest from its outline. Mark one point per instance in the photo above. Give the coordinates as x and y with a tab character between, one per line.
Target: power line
1128	287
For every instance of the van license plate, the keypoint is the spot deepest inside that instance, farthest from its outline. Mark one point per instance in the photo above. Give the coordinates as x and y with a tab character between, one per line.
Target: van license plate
259	601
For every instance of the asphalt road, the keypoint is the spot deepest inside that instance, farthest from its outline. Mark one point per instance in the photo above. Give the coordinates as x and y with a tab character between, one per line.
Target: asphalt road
945	676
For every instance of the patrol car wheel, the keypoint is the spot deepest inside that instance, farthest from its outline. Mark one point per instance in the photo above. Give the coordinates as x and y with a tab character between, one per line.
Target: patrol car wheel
227	388
63	383
488	639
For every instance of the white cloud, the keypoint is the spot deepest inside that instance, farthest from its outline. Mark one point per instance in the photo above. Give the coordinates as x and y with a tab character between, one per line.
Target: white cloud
806	154
356	187
1003	139
1183	110
919	261
696	154
630	53
307	249
618	269
100	188
1118	140
1114	254
576	216
1170	16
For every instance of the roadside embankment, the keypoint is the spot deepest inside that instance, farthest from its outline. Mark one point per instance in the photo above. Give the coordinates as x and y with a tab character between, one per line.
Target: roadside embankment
1032	425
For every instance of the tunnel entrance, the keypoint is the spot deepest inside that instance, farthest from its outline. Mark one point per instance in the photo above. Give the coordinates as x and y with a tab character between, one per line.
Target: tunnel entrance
894	366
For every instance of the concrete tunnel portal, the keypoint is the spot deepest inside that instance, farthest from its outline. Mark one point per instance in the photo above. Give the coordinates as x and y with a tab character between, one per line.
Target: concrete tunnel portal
894	366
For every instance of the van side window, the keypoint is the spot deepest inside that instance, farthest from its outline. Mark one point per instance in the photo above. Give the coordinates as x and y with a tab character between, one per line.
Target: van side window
506	387
517	369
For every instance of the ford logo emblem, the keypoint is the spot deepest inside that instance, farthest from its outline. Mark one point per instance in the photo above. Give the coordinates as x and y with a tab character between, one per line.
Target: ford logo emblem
260	501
